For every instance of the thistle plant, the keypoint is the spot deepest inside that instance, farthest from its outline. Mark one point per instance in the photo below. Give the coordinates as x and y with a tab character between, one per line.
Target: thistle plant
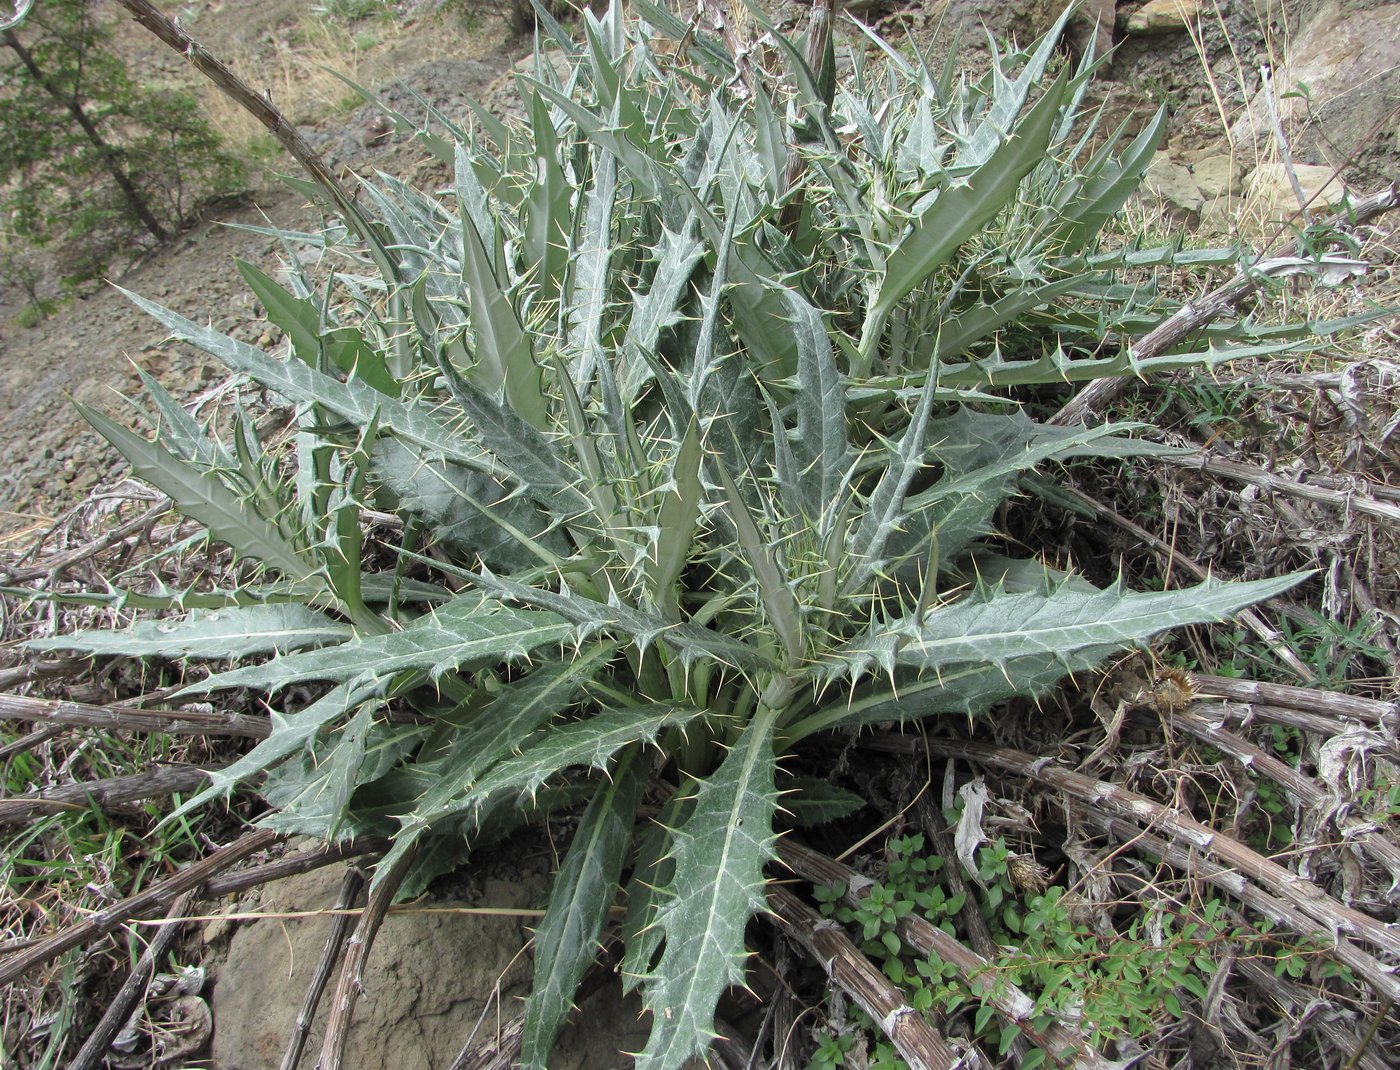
691	398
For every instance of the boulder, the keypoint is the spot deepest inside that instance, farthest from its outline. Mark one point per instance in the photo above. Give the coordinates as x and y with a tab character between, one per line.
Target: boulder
433	977
1163	16
1335	90
1271	194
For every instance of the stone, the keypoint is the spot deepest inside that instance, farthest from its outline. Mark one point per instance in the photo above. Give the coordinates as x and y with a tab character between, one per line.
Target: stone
1336	87
1163	16
1271	193
1092	23
1217	175
1173	184
432	978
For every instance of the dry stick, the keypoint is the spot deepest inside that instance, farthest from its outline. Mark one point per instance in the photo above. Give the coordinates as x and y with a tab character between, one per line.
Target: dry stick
82	553
291	865
931	821
107	793
1196	314
1367	711
1276	484
1300	719
1291	1000
1172	557
192	877
335	940
119	718
94	1049
351	983
916	1041
1378	974
1304	790
502	1052
28	741
1116	799
1065	1046
260	107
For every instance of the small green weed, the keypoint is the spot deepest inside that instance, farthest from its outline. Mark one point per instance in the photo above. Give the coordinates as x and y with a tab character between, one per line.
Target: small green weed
1115	980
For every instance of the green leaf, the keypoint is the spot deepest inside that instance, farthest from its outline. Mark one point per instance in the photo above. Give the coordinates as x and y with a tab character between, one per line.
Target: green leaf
201	496
496	730
589	743
821	447
718	885
235	632
300	319
585	887
505	359
461	632
354	401
997	629
809	801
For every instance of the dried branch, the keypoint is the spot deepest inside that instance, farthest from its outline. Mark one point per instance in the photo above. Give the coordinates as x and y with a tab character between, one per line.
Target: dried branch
1367	711
156	897
233	87
917	1043
128	719
1291	1002
351	983
1380	976
335	940
1302	894
1361	500
291	865
28	742
108	793
94	1049
1304	790
1060	1042
1197	314
58	563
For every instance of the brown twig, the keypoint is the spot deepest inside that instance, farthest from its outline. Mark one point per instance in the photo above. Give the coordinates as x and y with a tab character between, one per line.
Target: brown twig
1061	1043
916	1041
233	87
1366	711
59	562
1300	719
94	1049
1305	791
1196	314
192	877
292	864
1117	800
108	793
1366	966
335	940
127	719
1362	500
1291	1000
352	970
28	742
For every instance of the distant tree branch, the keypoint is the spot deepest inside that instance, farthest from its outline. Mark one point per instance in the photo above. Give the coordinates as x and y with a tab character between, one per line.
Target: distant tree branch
111	156
260	107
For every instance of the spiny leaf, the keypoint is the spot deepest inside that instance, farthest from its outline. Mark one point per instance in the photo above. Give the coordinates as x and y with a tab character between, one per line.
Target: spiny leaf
459	633
999	628
236	632
203	497
718	885
584	890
